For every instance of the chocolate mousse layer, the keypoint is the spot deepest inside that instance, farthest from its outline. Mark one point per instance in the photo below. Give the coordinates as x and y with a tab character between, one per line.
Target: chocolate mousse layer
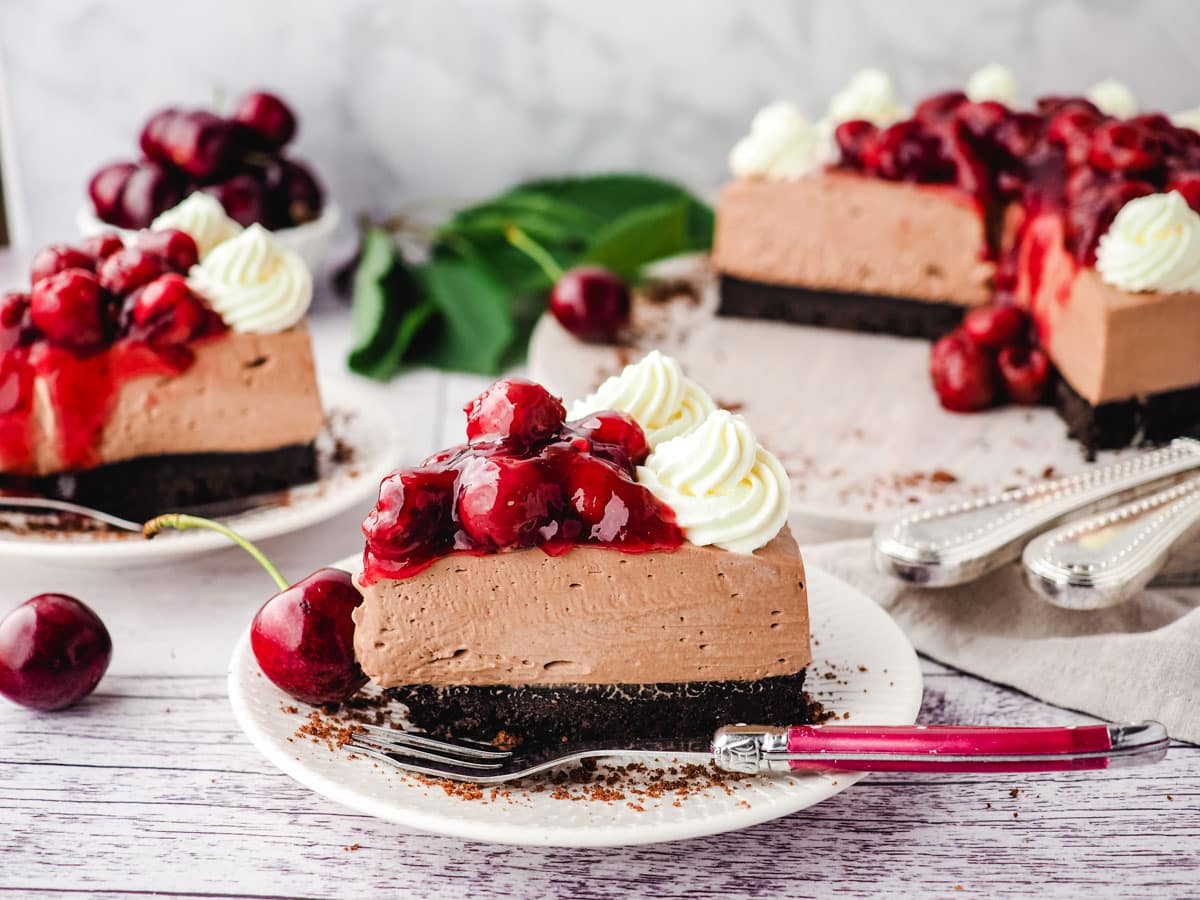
590	616
841	234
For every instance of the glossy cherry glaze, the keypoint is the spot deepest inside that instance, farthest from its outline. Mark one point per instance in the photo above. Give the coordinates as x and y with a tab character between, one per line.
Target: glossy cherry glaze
53	652
303	638
238	159
527	478
86	330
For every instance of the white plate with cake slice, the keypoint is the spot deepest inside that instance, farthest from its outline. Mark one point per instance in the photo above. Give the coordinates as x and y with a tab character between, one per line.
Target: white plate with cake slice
852	417
357	448
864	670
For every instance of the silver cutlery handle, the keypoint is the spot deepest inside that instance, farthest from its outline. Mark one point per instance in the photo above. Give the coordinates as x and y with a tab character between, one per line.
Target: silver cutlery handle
963	541
1105	559
936	748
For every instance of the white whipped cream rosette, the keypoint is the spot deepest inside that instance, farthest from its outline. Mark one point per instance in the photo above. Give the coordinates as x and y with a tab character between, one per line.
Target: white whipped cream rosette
254	284
655	392
992	82
202	217
724	488
781	145
1113	98
868	95
1153	244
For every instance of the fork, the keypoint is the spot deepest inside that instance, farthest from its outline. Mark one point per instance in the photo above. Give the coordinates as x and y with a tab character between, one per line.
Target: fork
752	749
215	510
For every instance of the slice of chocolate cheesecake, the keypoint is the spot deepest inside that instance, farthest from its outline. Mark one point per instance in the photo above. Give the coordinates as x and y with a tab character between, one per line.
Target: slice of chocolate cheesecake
556	580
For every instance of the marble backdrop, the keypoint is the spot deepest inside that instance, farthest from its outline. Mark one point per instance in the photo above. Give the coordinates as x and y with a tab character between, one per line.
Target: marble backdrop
406	101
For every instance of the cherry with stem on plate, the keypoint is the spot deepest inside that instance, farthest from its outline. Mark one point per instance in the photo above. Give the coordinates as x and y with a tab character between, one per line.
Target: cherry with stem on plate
303	636
591	302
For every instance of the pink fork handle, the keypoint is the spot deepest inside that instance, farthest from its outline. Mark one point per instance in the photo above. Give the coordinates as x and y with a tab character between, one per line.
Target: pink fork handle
956	748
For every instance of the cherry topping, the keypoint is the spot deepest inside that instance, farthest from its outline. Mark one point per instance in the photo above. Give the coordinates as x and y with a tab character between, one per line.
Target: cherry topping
506	502
53	652
268	117
56	258
940	107
413	516
1025	372
1188	185
983	118
591	302
100	247
165	312
613	508
852	138
303	638
963	374
514	409
1121	147
174	247
67	308
610	431
996	326
16	324
128	269
1072	130
1048	106
105	189
907	151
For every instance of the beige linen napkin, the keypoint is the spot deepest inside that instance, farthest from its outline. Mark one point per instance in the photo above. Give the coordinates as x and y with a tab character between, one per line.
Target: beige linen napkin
1140	660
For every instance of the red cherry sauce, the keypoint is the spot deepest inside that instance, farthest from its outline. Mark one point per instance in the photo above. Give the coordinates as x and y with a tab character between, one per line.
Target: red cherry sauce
569	486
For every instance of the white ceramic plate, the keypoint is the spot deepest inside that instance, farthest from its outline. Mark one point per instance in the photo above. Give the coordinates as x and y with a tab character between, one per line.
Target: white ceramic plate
852	416
311	240
852	630
359	425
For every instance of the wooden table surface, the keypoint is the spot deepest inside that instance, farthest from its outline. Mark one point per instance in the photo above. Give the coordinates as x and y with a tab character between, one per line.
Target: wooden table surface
150	788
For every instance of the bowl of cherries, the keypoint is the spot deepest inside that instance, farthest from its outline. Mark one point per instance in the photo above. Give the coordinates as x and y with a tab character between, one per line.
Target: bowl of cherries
240	159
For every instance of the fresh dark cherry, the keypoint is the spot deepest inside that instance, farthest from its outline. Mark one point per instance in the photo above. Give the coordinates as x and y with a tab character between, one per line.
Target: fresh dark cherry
963	373
153	139
100	247
303	638
53	652
293	194
149	190
55	258
1025	372
514	409
129	269
242	197
996	326
199	142
591	302
68	309
16	324
506	501
105	189
165	312
611	429
174	247
1121	147
268	117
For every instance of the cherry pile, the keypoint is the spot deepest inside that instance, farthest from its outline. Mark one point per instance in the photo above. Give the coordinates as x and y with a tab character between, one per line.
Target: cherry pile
990	358
86	297
1065	156
238	159
527	478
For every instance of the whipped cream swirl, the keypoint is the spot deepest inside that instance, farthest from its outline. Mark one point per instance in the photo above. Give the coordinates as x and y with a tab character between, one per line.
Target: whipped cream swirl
1152	245
781	145
256	286
868	95
1189	118
656	394
992	82
203	217
724	488
1113	98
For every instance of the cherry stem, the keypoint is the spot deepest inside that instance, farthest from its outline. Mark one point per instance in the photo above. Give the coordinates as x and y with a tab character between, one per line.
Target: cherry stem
535	251
182	522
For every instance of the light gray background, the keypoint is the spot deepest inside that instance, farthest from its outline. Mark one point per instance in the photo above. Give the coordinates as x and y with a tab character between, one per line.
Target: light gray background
409	99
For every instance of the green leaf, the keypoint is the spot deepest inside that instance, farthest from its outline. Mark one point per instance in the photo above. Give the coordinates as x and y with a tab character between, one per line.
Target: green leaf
476	325
629	242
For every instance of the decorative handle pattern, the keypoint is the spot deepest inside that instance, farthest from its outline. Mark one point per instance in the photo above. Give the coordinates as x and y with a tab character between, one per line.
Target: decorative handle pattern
936	748
963	541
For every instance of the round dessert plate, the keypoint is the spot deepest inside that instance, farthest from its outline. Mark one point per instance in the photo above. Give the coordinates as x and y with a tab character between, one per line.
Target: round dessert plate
852	417
866	669
358	448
